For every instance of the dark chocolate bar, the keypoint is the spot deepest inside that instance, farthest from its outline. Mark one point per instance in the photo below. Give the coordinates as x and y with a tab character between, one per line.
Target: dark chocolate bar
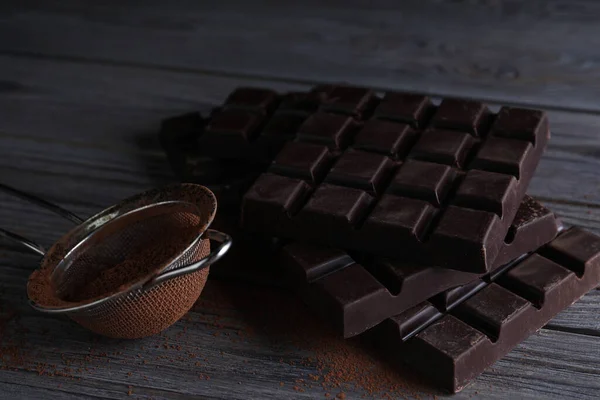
440	188
253	124
177	137
355	293
251	259
228	179
461	344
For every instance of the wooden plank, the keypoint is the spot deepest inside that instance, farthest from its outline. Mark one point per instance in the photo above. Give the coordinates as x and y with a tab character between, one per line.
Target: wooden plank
254	365
88	171
580	317
576	317
94	105
535	369
526	52
124	122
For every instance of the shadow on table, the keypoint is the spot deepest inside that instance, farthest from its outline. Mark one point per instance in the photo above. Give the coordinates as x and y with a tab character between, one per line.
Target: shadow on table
276	318
152	158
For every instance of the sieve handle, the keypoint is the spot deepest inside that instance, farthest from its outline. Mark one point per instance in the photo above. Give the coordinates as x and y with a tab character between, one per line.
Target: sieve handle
30	244
42	203
224	241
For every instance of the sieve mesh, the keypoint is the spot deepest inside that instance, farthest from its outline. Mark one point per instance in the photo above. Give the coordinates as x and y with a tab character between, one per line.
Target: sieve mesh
145	221
140	312
149	237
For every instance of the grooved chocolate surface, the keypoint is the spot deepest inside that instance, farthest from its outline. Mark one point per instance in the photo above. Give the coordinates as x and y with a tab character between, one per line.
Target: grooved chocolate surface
356	292
249	130
459	345
443	181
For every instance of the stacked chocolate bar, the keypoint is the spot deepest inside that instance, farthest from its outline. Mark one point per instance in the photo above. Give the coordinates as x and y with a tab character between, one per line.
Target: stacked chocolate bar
394	218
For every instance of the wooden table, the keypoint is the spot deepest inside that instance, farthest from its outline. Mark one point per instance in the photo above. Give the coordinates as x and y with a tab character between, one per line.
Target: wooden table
83	88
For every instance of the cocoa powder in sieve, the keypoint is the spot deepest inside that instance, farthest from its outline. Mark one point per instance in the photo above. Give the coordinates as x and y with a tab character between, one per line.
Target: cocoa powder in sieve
131	270
135	267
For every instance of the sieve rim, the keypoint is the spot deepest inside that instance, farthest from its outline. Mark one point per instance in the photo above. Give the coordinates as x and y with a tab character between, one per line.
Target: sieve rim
73	252
200	196
224	241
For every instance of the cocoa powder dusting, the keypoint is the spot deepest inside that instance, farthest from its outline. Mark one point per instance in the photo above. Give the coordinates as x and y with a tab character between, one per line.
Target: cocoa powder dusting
341	364
317	362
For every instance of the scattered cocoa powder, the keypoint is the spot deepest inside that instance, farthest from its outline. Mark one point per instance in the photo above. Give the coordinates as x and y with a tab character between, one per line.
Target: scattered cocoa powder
285	320
41	290
323	362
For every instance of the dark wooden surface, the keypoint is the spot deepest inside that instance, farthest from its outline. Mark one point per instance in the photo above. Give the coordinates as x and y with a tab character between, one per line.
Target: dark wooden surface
83	88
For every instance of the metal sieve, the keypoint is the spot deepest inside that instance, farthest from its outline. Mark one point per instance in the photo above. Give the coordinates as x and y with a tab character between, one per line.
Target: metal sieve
148	220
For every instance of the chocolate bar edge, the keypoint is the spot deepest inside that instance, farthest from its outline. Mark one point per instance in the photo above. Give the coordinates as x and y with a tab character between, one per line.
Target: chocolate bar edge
420	354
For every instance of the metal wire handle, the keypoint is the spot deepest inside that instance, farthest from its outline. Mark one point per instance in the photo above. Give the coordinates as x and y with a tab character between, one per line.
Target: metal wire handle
223	239
42	203
29	244
215	255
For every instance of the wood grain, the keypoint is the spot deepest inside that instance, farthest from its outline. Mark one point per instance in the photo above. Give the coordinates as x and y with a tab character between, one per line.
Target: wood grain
83	88
110	135
550	364
537	52
88	171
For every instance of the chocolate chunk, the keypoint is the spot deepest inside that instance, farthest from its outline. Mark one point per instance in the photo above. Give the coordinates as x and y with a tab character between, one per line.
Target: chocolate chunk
336	209
177	134
536	278
253	99
460	344
521	123
444	147
456	166
236	123
409	181
284	124
273	197
412	109
487	191
462	115
302	102
361	170
348	100
504	156
385	137
332	130
303	160
231	132
358	292
575	249
404	219
458	157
